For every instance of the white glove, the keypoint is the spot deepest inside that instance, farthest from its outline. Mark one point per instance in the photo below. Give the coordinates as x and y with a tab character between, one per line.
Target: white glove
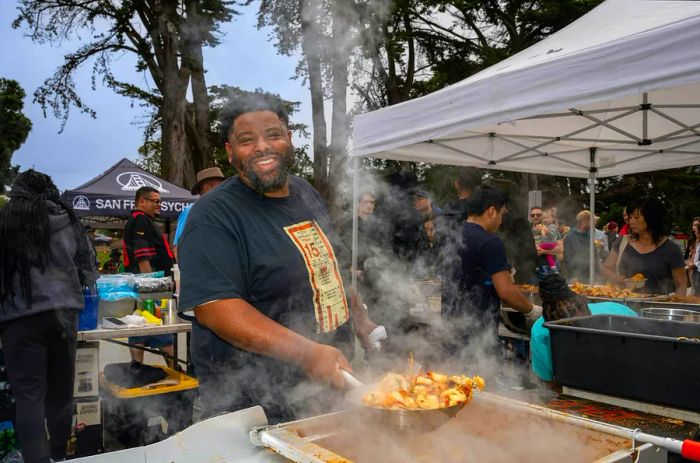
376	337
535	313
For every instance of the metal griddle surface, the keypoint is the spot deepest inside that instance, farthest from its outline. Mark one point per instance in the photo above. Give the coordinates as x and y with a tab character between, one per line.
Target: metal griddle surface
483	431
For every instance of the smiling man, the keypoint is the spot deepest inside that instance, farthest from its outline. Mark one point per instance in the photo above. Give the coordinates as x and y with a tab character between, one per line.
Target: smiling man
259	269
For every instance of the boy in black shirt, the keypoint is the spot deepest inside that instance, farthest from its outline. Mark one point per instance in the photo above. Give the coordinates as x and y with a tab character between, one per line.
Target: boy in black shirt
480	276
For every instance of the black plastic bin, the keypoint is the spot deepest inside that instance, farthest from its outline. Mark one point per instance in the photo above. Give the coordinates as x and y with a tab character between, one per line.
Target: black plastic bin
631	357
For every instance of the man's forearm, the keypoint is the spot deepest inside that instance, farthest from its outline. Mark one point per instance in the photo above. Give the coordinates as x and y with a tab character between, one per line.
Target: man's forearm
515	299
509	293
359	316
145	266
243	326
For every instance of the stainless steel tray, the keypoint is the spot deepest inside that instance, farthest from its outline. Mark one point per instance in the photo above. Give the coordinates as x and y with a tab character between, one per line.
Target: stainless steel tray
490	429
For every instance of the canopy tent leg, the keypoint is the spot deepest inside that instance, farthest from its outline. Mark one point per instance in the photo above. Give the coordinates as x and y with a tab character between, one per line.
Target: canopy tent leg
591	244
355	187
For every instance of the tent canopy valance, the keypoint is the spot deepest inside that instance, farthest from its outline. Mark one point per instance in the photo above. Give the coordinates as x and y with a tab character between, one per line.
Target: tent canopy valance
111	194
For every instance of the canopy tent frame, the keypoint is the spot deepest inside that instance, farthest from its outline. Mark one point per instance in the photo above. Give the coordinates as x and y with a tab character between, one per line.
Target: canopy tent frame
621	101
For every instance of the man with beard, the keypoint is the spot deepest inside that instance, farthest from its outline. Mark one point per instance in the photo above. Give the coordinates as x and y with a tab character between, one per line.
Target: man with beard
259	271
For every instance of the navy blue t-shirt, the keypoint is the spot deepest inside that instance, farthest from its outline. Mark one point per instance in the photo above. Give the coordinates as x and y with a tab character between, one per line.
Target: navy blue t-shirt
470	290
277	254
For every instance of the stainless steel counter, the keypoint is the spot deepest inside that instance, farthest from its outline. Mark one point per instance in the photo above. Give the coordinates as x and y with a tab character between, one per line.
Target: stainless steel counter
103	334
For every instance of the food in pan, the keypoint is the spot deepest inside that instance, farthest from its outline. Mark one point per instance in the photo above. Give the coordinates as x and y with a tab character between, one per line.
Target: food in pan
528	289
609	290
637	277
425	391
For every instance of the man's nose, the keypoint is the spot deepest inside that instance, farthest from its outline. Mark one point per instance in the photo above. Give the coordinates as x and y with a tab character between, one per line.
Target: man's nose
261	144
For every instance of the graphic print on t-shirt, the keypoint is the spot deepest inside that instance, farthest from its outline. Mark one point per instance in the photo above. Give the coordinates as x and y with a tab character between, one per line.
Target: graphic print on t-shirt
330	305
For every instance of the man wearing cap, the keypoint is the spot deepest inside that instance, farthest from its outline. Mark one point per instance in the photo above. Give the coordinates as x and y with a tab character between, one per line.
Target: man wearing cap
206	180
577	247
611	233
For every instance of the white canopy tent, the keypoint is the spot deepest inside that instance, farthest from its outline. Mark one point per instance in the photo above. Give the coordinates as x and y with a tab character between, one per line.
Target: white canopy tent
616	92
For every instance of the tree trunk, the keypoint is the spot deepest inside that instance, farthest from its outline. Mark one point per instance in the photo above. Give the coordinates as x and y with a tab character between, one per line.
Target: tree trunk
198	122
311	39
340	120
176	164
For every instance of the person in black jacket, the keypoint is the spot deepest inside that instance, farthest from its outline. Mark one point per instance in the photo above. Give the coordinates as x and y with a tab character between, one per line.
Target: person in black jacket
45	260
146	250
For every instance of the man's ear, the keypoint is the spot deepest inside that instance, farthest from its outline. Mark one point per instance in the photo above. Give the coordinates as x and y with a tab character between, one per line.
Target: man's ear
229	151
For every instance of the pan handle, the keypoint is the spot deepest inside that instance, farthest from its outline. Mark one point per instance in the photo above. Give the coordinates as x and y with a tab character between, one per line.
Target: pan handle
691	450
350	379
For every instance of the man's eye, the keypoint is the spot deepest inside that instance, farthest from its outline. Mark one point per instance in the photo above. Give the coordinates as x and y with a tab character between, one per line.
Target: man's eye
245	140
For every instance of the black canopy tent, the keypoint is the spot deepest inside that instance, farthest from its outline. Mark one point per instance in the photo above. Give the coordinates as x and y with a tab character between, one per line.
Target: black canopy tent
111	194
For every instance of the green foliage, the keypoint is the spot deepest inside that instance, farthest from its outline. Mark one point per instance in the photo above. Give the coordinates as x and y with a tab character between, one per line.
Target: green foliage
150	156
116	27
14	128
219	98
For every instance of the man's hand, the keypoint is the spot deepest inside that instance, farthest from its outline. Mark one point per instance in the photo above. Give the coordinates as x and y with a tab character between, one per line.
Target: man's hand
322	363
535	313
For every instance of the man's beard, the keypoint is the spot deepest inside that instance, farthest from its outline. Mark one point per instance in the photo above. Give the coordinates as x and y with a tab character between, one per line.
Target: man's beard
269	184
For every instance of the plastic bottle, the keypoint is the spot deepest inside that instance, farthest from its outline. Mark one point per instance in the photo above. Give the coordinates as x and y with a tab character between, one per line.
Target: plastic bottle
88	317
176	277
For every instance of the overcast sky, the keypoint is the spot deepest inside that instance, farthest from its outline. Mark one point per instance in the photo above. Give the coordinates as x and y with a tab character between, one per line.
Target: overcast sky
89	146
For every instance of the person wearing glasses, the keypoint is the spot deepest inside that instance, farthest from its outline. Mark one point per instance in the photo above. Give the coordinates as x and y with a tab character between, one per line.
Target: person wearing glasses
146	250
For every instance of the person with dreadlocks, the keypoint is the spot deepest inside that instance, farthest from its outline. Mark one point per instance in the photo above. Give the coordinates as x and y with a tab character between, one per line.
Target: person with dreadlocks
558	301
45	260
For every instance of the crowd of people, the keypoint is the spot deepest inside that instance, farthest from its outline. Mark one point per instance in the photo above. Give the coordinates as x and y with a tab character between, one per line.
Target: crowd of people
265	273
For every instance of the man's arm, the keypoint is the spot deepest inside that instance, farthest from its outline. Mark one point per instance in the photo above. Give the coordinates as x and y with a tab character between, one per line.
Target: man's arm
680	279
145	266
608	268
509	293
243	326
360	319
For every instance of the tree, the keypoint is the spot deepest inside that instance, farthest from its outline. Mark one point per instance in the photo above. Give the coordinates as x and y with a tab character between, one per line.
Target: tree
14	128
166	37
326	34
423	46
219	98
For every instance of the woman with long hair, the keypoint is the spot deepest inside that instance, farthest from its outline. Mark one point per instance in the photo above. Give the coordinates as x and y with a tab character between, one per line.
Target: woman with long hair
648	251
45	260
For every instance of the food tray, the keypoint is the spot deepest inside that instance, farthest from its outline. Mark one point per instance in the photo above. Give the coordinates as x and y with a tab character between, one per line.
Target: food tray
644	359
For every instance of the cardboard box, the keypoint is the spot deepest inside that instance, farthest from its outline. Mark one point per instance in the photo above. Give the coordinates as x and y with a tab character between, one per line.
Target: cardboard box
87	358
86	428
